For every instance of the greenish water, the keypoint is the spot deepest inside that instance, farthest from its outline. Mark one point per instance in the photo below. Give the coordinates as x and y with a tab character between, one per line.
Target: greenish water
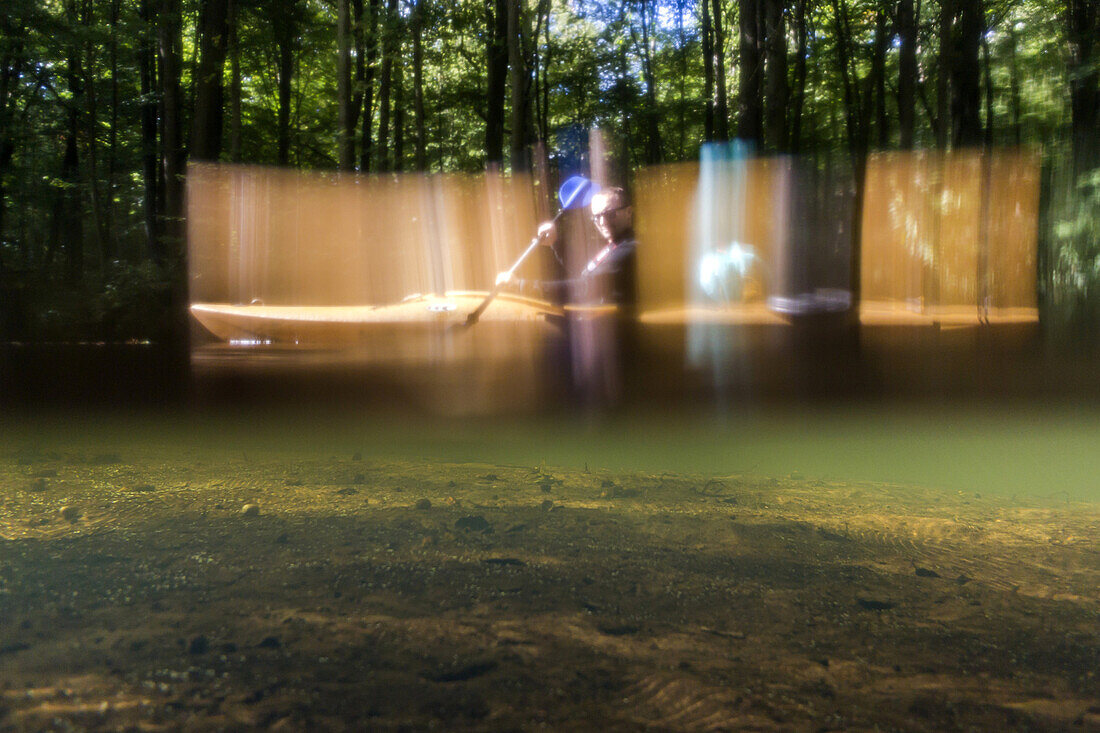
1047	452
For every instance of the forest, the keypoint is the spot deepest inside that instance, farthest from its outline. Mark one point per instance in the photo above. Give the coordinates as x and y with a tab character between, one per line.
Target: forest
104	103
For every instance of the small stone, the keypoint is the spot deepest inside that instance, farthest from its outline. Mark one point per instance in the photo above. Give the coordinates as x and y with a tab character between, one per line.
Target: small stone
617	629
546	486
423	504
347	491
250	510
547	505
270	642
199	645
476	523
69	513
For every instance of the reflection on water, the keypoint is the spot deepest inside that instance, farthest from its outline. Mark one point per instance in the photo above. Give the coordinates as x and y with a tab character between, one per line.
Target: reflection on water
754	279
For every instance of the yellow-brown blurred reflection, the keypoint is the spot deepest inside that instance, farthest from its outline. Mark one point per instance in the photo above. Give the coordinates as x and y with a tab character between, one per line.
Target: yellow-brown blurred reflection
744	270
745	262
389	265
294	238
950	238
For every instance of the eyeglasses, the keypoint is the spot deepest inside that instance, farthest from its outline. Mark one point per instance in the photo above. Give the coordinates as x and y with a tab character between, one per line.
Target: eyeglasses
606	213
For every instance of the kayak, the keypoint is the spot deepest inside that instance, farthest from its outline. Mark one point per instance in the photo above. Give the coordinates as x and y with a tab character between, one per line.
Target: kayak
259	323
513	315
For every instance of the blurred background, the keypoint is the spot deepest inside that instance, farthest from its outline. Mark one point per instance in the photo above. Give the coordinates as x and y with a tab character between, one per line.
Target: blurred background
832	199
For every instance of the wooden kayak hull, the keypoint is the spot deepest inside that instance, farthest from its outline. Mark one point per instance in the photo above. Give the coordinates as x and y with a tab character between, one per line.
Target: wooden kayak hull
416	315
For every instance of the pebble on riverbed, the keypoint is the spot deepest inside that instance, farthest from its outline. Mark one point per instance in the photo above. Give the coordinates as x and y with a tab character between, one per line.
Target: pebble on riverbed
69	513
250	510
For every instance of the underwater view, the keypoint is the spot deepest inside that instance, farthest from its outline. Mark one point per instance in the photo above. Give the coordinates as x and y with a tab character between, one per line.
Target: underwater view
884	567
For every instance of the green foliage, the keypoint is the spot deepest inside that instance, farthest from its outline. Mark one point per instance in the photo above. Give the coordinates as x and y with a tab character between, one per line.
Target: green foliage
133	303
1074	239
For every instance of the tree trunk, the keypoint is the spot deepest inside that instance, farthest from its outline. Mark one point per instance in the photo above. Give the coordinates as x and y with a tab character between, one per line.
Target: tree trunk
750	91
543	122
965	68
359	78
626	104
1014	86
795	139
653	132
234	50
856	125
112	139
399	116
721	105
285	25
172	156
682	58
418	86
943	75
907	73
370	38
147	68
708	73
854	99
89	133
176	326
385	91
987	74
206	125
878	78
345	121
70	222
496	57
516	75
776	69
13	63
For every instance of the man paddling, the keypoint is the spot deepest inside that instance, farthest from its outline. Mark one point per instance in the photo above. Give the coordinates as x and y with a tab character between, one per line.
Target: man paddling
600	348
609	277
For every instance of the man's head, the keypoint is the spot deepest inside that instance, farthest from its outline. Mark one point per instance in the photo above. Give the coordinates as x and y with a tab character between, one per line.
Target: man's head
612	214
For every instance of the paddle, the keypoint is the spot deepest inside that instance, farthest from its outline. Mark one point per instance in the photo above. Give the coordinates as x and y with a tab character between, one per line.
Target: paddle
575	192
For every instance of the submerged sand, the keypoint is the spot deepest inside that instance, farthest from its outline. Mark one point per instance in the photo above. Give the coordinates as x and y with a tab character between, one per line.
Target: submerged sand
136	592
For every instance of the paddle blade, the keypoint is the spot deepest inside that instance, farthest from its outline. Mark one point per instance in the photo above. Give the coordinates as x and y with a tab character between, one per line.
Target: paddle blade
576	191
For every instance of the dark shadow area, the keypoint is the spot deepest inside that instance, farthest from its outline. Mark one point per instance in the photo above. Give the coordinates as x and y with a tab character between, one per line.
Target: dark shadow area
412	596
